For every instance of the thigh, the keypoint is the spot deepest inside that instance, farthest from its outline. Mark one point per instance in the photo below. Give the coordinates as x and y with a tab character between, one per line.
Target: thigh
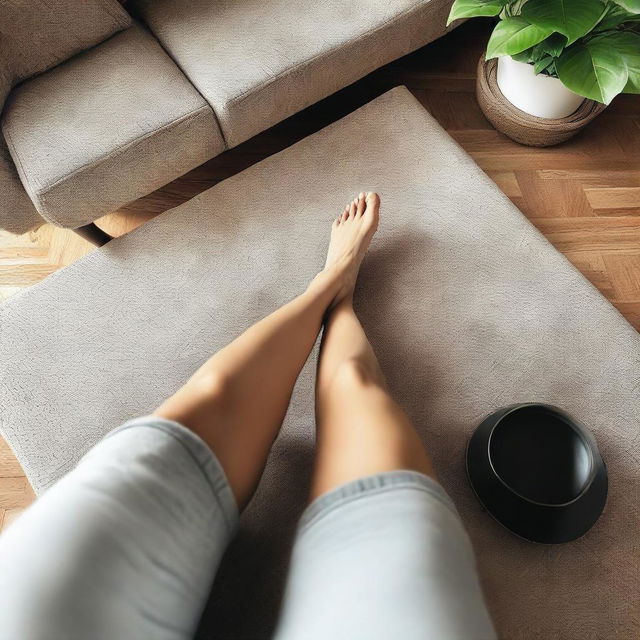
125	546
383	557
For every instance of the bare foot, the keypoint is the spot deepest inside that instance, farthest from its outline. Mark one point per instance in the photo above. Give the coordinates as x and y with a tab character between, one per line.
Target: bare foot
351	235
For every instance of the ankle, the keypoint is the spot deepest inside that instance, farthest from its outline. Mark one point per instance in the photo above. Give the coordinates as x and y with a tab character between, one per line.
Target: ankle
324	286
342	307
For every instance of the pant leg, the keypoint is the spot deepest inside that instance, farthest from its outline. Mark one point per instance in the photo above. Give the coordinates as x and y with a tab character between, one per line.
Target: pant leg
123	547
384	557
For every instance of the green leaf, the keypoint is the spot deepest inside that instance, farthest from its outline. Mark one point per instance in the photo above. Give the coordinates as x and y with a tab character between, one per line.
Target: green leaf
523	56
537	53
542	64
474	9
627	44
514	35
614	17
571	18
593	69
554	44
632	6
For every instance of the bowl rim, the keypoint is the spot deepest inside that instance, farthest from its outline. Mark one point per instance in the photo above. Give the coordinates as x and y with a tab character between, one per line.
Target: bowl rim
584	436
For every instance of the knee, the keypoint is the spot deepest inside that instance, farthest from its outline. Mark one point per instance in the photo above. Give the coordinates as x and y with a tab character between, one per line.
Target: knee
214	385
207	394
353	372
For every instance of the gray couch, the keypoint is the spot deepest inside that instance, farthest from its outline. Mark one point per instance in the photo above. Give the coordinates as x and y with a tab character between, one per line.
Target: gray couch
101	108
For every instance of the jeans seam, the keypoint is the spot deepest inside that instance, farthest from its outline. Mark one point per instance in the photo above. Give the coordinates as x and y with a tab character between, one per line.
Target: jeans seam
341	501
215	490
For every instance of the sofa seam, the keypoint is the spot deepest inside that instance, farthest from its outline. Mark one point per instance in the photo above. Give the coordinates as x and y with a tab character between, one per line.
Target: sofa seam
415	7
41	193
157	38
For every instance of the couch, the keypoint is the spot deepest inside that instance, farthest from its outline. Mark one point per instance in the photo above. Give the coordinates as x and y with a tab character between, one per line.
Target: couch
104	104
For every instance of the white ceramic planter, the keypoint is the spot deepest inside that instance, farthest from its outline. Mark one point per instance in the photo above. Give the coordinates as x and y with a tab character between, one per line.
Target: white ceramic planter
537	95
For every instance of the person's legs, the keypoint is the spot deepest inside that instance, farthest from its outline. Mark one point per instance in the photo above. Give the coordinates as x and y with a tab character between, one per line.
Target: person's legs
238	399
380	552
127	544
361	430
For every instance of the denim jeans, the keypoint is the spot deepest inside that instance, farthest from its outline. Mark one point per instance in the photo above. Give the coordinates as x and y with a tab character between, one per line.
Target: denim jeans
127	545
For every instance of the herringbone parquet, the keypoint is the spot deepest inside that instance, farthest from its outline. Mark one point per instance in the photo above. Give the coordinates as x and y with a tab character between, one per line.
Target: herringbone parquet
584	195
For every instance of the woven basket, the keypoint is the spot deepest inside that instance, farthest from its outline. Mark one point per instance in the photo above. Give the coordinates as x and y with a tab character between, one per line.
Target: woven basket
520	126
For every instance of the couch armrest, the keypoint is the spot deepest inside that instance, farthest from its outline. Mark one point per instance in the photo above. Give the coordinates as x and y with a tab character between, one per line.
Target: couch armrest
17	212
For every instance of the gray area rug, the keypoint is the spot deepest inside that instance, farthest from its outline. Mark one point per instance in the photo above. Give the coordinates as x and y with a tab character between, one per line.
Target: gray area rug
467	305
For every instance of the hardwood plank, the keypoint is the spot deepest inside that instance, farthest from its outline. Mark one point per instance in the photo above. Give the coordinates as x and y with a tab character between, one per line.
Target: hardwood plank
592	178
552	198
592	233
614	200
9	467
508	183
592	266
15	492
25	273
624	272
10	516
630	310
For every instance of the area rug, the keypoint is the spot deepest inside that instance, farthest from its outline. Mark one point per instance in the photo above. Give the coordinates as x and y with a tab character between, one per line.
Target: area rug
467	305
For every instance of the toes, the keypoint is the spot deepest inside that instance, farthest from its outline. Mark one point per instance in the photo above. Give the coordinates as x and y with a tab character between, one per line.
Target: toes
352	209
372	200
345	214
360	207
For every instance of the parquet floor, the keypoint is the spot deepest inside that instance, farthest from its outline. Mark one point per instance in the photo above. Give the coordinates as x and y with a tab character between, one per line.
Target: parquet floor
584	195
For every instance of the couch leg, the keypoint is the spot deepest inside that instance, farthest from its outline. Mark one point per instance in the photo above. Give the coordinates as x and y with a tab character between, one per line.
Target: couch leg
93	234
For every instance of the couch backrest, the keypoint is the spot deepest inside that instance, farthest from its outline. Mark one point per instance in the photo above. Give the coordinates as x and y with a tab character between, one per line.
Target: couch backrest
36	35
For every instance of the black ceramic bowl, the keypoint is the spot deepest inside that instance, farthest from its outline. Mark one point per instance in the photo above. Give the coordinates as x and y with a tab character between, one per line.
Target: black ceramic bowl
537	472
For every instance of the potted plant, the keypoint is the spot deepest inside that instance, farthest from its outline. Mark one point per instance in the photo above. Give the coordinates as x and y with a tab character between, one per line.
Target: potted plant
552	54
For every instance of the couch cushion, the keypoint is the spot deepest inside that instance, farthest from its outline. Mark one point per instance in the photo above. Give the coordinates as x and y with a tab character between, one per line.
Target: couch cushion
36	35
259	61
107	127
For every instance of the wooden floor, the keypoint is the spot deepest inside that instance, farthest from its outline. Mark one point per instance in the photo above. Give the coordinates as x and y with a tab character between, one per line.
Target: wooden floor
584	195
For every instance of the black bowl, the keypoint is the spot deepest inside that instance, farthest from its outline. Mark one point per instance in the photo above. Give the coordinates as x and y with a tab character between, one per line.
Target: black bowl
537	472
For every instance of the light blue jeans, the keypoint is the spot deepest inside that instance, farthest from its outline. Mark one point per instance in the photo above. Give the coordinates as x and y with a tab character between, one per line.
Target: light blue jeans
126	546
